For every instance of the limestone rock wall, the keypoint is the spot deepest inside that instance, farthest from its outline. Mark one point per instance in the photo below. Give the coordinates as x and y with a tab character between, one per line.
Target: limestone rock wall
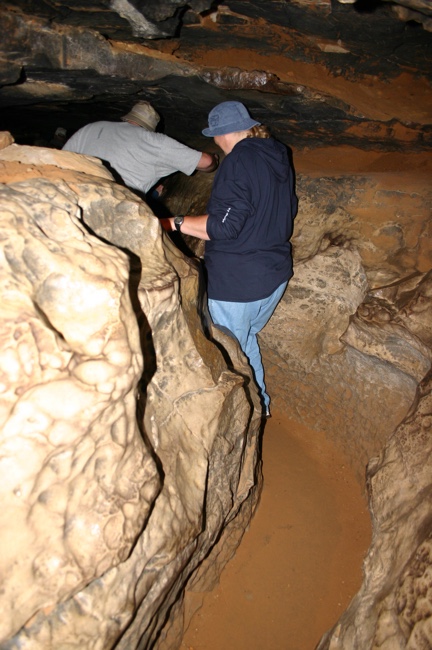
77	480
127	447
316	72
349	350
392	610
351	329
130	428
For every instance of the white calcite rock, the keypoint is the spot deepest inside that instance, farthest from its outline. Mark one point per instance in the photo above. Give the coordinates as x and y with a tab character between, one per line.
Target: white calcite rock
127	447
77	479
26	155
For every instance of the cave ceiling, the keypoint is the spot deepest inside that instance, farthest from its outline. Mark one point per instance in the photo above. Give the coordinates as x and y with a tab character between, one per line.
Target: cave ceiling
317	72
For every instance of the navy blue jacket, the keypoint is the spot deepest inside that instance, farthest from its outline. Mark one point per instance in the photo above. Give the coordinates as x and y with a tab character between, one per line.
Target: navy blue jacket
251	211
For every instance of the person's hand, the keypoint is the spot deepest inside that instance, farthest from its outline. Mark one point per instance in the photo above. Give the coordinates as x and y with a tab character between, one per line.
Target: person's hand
215	162
209	162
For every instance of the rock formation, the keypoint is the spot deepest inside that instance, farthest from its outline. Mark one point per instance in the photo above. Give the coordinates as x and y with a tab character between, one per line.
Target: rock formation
393	610
317	73
143	441
106	513
129	441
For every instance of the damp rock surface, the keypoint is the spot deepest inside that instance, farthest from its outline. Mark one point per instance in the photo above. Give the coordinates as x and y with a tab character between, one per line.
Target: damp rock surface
142	420
127	446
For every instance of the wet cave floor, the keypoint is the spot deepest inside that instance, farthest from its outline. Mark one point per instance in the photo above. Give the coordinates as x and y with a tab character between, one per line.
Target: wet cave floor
300	563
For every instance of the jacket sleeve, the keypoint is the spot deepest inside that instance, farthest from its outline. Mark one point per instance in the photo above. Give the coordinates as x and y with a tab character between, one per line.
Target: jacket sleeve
230	203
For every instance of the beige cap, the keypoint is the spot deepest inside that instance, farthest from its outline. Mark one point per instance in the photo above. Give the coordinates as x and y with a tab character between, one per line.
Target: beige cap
143	114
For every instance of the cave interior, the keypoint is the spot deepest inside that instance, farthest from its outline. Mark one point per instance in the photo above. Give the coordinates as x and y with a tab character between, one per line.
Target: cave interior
317	73
347	87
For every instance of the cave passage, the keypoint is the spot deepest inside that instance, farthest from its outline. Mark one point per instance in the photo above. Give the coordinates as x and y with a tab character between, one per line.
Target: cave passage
299	564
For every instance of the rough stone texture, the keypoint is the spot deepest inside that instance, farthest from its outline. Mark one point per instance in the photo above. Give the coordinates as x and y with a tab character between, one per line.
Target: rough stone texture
118	477
391	343
384	216
346	349
24	155
6	139
393	609
339	322
317	73
376	371
77	480
351	336
414	303
194	404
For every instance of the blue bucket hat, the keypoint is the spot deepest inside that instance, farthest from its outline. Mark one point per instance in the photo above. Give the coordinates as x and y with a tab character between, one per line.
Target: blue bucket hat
228	117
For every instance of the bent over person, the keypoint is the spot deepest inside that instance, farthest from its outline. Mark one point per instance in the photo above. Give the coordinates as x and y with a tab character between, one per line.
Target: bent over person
136	152
247	229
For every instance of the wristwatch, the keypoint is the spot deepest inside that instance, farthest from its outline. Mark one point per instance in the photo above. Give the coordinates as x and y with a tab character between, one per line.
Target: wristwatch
178	221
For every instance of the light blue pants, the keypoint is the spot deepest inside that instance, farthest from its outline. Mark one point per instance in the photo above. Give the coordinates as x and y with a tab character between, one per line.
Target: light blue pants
245	320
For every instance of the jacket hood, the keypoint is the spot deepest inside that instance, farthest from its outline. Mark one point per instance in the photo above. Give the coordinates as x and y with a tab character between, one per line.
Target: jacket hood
272	151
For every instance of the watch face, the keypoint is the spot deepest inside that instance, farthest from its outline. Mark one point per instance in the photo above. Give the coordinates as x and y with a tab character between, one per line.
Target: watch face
178	222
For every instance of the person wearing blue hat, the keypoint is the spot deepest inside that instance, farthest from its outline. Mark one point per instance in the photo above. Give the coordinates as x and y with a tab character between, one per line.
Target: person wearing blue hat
247	228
